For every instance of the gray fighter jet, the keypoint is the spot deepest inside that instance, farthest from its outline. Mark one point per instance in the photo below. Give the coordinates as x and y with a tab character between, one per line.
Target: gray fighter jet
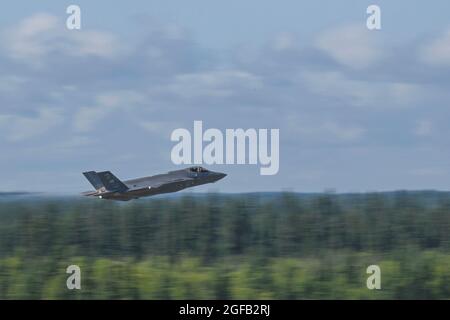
109	186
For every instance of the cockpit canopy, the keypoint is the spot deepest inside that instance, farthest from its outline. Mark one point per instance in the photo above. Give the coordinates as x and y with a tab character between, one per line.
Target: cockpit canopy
197	169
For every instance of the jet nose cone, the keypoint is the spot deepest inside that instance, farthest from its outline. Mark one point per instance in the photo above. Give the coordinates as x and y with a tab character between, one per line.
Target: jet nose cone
220	175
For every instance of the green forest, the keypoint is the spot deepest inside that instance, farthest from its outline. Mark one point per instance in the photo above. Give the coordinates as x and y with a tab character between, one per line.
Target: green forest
219	246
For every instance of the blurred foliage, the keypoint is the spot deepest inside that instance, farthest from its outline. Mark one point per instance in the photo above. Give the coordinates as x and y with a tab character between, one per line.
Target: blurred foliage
282	246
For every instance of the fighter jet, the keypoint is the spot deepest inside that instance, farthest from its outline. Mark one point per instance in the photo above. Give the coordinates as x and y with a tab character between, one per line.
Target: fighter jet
108	186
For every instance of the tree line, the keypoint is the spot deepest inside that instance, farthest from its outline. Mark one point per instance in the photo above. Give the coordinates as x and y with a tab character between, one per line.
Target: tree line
283	245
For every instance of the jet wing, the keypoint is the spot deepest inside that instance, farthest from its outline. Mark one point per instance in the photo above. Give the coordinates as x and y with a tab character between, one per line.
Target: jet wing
160	184
172	185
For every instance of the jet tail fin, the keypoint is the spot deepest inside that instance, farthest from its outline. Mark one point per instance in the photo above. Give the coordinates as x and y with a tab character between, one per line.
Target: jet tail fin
94	179
111	182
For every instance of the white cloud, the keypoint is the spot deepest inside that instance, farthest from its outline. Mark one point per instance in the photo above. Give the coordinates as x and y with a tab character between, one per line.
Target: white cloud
93	43
220	83
31	37
36	37
11	83
423	128
19	128
157	127
353	46
86	118
437	52
76	142
284	41
360	92
325	131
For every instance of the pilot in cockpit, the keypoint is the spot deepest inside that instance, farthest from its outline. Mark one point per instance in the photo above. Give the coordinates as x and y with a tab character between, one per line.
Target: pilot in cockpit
198	169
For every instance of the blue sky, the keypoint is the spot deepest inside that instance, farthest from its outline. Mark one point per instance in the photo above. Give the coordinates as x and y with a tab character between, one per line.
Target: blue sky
357	110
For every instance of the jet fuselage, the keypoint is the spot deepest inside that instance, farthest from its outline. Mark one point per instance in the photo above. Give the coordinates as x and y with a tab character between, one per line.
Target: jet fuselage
109	187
